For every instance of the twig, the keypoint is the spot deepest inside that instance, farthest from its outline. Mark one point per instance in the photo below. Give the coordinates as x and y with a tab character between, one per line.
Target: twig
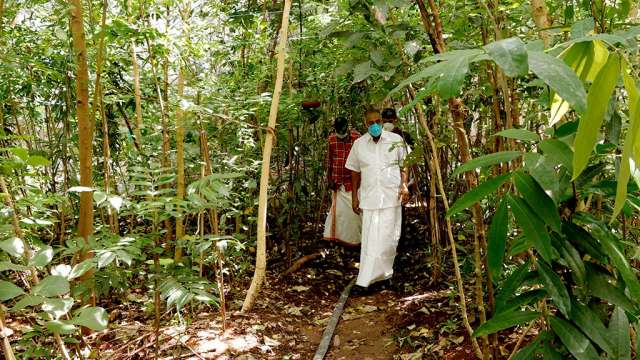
299	263
520	340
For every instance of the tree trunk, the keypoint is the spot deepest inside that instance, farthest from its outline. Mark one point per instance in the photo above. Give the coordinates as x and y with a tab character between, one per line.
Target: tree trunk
85	123
180	163
261	254
541	18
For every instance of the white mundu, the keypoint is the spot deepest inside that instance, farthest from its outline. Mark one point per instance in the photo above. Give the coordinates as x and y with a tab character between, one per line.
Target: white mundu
342	224
380	179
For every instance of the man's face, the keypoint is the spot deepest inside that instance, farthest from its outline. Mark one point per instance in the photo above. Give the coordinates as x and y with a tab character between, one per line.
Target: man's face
372	118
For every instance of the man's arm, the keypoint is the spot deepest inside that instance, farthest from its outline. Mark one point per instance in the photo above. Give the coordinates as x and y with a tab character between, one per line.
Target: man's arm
355	186
328	164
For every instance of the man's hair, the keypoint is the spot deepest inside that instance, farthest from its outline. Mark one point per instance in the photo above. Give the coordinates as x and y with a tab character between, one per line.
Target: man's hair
340	122
371	111
389	113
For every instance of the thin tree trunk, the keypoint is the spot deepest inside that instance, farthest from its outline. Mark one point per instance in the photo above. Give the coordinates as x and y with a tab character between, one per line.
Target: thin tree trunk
541	18
179	164
261	254
85	124
137	91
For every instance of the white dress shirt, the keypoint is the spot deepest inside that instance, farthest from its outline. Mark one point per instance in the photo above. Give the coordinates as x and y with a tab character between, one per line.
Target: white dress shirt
379	167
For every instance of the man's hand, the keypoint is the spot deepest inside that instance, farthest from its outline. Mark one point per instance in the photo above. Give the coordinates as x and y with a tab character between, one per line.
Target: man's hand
403	193
355	204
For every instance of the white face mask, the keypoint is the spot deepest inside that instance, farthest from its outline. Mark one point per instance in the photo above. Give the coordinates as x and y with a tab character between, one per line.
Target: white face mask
388	126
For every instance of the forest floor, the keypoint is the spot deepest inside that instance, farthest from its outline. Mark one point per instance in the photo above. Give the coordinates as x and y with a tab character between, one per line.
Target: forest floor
409	318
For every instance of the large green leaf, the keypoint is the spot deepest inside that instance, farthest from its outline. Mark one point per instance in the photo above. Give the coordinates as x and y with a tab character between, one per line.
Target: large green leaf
497	240
26	301
573	259
504	321
42	257
532	227
555	288
613	248
57	308
8	265
425	73
537	199
13	246
53	285
512	283
527	298
629	141
600	287
519	134
60	327
577	344
94	318
590	324
529	352
582	28
555	73
362	71
549	353
9	290
476	195
510	54
451	78
619	335
591	121
558	151
81	268
486	160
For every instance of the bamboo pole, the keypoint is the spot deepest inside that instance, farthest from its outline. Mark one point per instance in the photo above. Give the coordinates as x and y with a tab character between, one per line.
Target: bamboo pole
261	253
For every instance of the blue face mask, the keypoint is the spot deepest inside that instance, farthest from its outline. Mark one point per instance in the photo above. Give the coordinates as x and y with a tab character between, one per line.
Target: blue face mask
375	129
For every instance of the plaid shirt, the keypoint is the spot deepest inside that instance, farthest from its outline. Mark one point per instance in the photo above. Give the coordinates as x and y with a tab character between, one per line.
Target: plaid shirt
337	157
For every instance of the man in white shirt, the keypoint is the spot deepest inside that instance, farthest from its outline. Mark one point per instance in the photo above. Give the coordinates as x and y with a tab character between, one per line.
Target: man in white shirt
379	189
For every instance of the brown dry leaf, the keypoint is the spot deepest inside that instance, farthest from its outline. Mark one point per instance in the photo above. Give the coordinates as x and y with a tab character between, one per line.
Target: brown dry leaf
413	356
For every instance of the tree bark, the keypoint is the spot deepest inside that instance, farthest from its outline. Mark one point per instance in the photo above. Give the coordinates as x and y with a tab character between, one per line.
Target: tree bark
85	123
261	253
541	18
180	164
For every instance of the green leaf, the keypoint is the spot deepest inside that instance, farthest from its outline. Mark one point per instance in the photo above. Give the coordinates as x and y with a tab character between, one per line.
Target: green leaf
559	152
53	285
613	248
486	160
42	257
601	288
619	335
549	353
532	226
512	283
504	321
555	73
519	134
9	290
37	160
81	268
477	194
13	246
94	318
60	327
529	352
555	288
99	197
591	121
577	344
26	301
451	78
574	261
537	199
629	142
8	265
425	73
590	324
57	308
497	240
510	54
527	298
362	71
582	28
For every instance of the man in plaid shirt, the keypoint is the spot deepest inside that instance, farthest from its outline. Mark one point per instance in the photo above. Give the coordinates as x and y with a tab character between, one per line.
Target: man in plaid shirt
342	224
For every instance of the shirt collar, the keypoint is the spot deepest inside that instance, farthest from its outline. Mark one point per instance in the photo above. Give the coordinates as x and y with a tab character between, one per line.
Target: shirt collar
383	136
